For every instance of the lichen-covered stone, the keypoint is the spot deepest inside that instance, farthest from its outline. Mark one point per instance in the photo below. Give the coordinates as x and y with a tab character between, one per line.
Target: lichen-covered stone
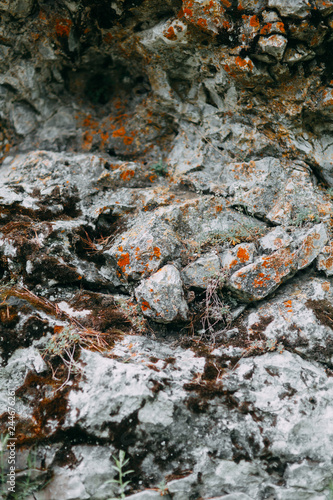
275	239
273	45
143	249
161	296
240	256
299	317
257	280
325	260
292	8
311	245
200	272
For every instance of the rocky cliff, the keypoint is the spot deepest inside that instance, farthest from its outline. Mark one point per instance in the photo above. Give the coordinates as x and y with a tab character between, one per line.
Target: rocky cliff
166	249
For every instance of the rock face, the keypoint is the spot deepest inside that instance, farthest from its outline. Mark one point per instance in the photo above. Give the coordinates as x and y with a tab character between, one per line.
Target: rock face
166	249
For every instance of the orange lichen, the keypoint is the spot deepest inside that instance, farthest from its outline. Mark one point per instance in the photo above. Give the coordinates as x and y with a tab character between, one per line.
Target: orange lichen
266	29
120	132
233	263
170	34
127	175
128	140
107	38
254	22
210	6
243	254
243	63
156	252
145	305
280	27
202	22
261	281
123	261
226	3
63	27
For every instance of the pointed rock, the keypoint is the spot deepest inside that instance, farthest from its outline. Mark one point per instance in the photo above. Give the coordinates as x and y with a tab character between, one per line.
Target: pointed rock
161	296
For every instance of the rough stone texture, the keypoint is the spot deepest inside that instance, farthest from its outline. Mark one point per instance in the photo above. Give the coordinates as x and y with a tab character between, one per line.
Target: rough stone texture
177	153
161	296
298	317
257	280
240	255
325	260
199	273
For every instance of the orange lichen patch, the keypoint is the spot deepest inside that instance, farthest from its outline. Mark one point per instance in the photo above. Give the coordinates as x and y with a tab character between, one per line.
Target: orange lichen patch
170	34
89	122
104	137
123	261
127	140
218	209
226	3
156	252
326	286
261	280
188	12
280	27
42	15
244	63
119	133
107	38
209	6
288	305
63	27
127	175
254	22
233	263
202	22
265	30
243	255
87	141
226	25
145	305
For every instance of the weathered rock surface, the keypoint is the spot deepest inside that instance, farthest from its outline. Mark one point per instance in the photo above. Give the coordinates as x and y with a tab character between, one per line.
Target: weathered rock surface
161	296
166	248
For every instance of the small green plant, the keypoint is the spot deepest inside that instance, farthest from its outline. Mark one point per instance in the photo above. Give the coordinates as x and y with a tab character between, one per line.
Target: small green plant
61	342
120	462
330	192
160	168
263	346
64	344
162	488
330	488
30	484
303	216
3	447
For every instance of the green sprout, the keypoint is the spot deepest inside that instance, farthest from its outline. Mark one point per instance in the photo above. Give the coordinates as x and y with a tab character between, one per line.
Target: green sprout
160	168
120	464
